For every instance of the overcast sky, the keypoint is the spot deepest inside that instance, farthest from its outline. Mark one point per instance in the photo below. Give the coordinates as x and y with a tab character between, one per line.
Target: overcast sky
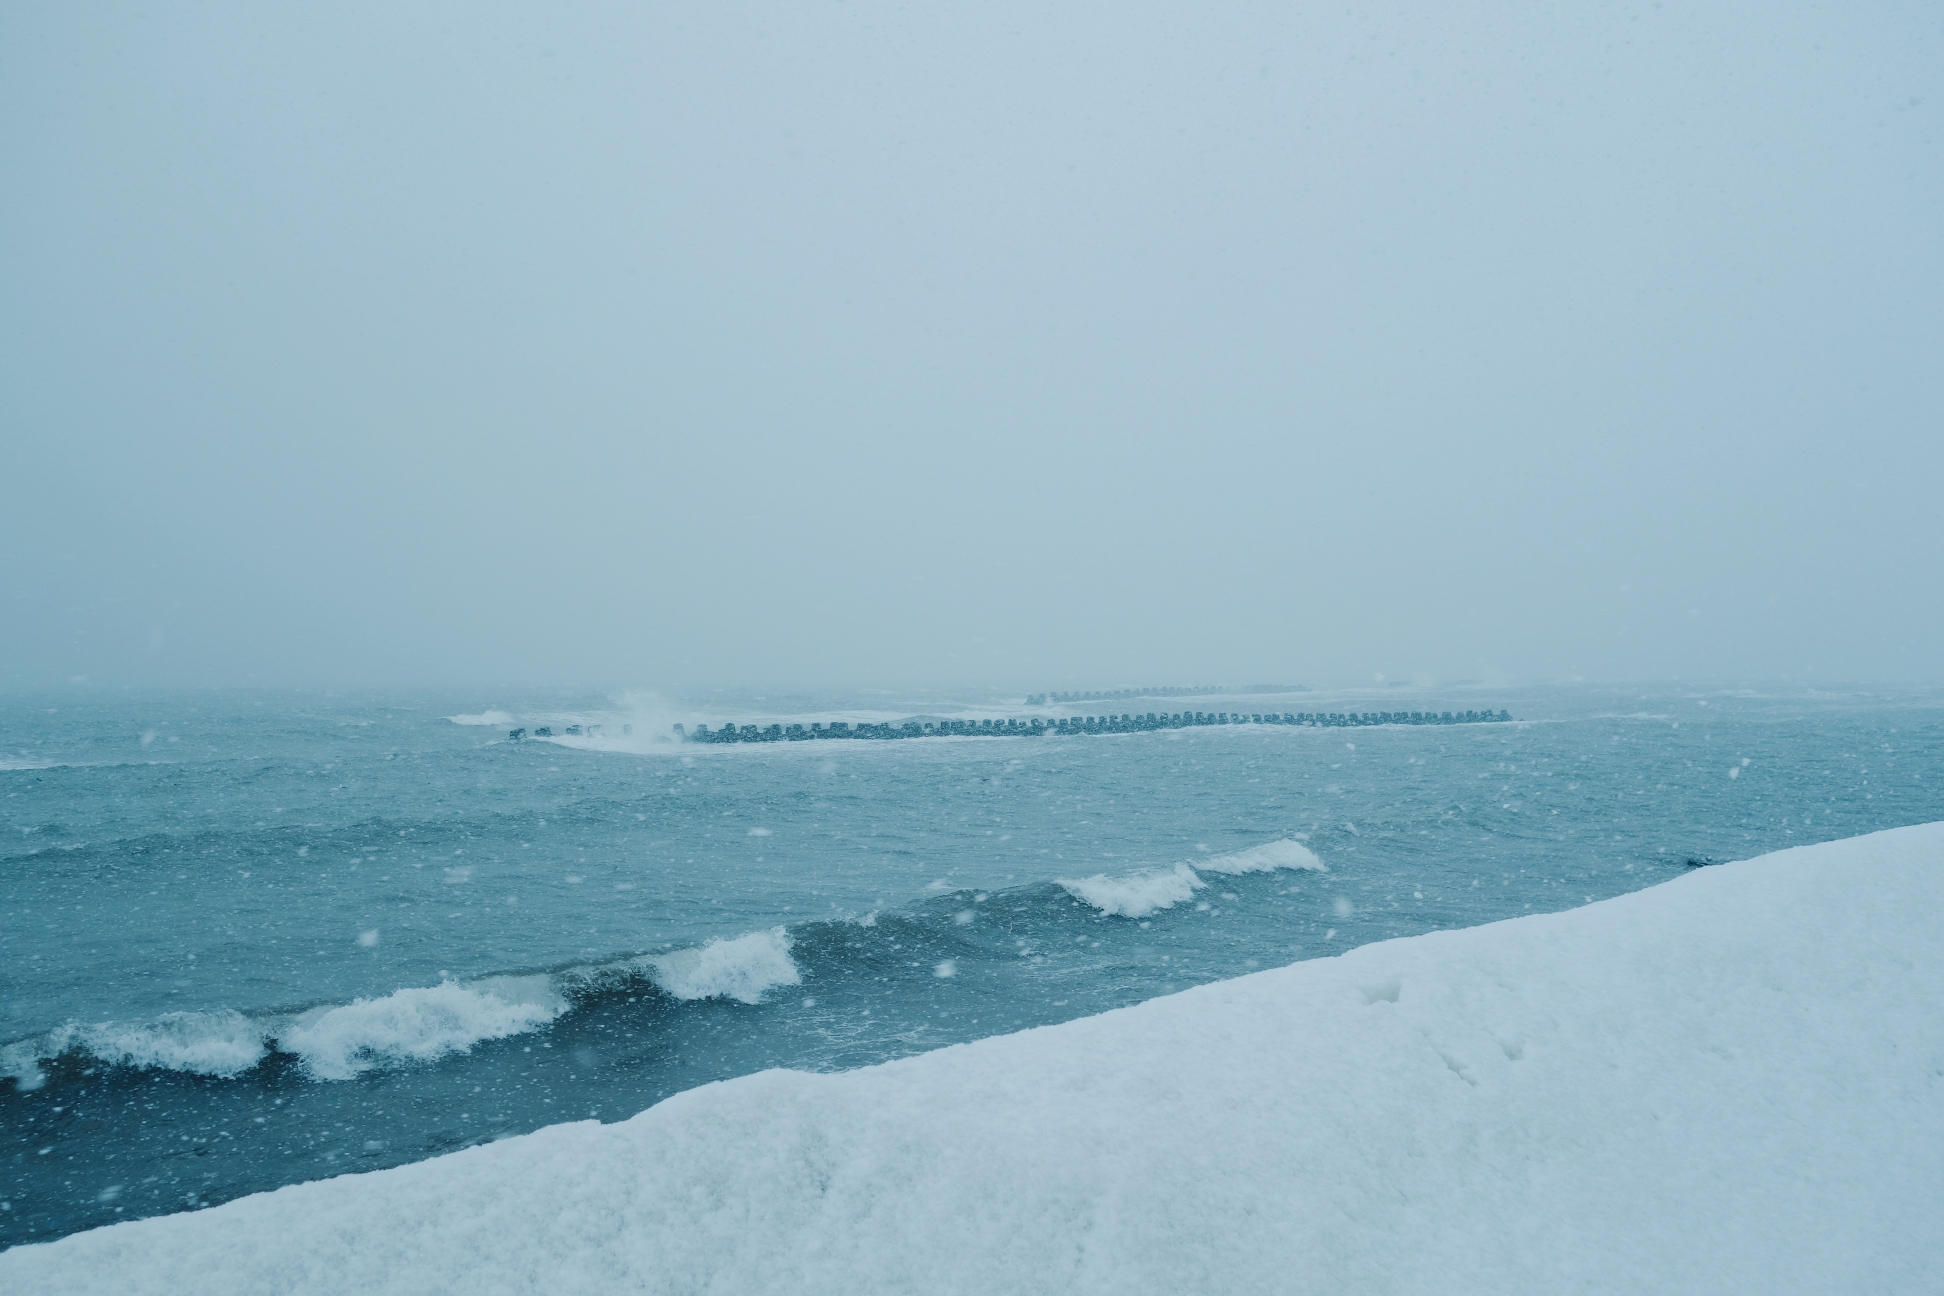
1029	345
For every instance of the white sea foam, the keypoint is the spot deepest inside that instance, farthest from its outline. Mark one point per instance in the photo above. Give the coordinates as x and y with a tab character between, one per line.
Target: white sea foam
418	1025
20	1062
487	717
222	1043
1138	894
742	968
1266	858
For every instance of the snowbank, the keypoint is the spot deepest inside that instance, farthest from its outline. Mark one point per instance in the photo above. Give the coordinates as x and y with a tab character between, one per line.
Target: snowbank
1730	1083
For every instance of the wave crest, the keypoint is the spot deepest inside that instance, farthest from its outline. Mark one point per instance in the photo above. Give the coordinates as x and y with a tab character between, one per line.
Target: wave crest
418	1025
1266	858
740	969
1137	895
224	1043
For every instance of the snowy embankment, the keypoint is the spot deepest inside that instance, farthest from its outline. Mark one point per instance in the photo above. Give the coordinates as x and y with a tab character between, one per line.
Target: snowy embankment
1730	1083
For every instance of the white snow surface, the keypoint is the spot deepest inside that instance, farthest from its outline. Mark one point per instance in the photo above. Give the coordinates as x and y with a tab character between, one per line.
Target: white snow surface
1733	1082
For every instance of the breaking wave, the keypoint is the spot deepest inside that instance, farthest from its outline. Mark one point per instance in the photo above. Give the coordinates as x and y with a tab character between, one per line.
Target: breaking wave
223	1043
1142	894
413	1025
417	1025
1138	894
740	969
421	1024
1266	858
488	717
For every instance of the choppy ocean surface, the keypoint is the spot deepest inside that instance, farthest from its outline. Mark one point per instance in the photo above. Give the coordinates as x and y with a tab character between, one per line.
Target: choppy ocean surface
253	938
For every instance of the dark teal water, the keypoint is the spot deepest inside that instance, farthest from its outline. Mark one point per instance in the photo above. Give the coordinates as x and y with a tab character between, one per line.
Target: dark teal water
251	938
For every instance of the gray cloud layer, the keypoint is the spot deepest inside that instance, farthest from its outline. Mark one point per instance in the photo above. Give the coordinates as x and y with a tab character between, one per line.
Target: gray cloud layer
857	343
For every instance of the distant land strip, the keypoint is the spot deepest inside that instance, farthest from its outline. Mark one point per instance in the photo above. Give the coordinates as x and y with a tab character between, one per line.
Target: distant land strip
1037	727
1108	695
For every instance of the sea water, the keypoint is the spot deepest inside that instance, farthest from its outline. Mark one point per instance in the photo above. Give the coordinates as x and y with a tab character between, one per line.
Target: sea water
254	938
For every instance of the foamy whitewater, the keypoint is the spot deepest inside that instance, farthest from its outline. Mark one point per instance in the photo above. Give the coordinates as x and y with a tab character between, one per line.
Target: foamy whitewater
417	1025
1139	894
1727	1083
743	969
253	940
338	1042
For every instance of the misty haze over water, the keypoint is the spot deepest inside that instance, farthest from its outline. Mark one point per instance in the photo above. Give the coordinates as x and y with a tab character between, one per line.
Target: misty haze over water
869	347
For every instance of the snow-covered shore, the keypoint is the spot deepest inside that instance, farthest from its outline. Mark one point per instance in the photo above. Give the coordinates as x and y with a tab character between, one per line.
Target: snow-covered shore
1730	1083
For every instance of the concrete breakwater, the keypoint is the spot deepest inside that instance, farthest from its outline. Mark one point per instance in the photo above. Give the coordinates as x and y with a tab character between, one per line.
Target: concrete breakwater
1040	727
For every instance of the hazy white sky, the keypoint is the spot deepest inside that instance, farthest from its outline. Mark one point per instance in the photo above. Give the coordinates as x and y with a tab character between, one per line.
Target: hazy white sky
687	344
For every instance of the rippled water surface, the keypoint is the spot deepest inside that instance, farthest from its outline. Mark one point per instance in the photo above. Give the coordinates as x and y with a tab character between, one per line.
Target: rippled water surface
252	938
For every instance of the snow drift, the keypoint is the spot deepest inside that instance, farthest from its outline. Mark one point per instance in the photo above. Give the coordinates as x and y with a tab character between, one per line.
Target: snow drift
1730	1083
